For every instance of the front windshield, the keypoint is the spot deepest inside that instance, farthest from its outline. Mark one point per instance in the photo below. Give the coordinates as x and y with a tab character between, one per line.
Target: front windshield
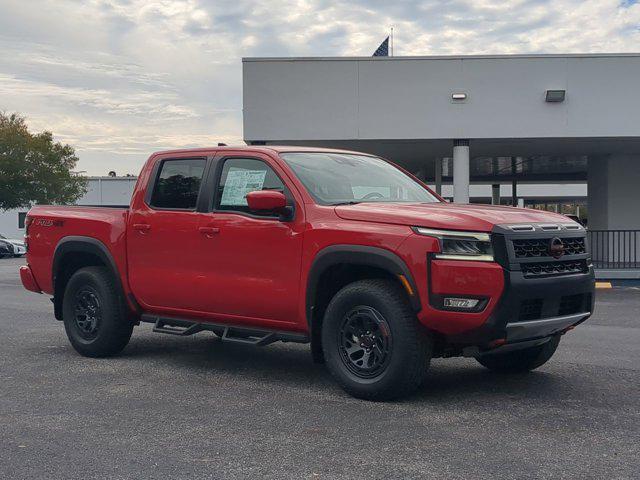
338	178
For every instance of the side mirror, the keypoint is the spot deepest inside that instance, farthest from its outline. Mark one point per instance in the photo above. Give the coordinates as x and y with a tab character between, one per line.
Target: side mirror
267	201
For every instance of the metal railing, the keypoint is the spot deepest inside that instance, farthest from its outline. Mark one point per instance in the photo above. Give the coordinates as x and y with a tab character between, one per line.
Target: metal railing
614	249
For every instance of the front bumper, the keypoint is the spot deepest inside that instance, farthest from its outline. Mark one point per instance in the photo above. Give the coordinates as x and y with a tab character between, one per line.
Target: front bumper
532	329
543	295
535	308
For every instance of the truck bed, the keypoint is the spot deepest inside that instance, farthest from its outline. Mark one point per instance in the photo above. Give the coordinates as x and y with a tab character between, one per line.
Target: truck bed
50	225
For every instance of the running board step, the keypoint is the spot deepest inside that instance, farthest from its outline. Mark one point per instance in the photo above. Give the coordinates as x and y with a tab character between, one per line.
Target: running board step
259	340
180	328
227	333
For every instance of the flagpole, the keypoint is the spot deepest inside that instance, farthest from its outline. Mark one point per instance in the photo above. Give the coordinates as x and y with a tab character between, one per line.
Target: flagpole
392	41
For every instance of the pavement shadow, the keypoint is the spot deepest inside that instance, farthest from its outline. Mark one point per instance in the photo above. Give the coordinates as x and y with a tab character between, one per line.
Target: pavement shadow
448	380
464	379
286	363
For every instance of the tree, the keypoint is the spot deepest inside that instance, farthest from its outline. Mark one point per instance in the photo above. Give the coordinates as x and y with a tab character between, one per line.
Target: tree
34	168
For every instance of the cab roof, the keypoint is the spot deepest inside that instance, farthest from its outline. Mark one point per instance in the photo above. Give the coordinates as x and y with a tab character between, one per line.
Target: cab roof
259	148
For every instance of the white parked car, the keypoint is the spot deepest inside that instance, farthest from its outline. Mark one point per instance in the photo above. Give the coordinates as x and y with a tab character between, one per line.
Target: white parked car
6	249
19	248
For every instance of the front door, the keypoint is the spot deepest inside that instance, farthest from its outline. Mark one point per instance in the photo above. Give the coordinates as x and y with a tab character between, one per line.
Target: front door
250	272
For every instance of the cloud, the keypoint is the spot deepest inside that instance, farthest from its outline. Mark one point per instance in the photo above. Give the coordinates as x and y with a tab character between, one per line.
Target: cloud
119	79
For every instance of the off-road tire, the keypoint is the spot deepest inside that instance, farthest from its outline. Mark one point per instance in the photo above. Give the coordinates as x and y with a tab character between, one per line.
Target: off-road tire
521	361
112	330
411	347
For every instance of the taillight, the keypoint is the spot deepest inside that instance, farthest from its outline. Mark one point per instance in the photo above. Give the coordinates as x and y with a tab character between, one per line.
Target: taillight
27	223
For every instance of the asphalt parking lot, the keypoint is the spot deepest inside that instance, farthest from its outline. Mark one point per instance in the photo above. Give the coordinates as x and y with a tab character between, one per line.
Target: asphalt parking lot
198	408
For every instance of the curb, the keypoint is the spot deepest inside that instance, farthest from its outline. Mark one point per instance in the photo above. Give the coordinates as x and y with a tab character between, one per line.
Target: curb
628	284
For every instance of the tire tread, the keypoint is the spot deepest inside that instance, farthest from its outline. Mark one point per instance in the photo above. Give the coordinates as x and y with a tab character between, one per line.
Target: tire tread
521	361
417	350
117	329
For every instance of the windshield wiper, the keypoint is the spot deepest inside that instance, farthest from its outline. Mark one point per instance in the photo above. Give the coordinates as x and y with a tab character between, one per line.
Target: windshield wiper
350	202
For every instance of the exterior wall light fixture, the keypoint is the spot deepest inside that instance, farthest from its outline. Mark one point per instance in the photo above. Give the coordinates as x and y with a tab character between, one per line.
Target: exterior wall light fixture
555	96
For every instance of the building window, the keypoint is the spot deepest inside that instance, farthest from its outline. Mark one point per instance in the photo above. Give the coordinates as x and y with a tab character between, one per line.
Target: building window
22	216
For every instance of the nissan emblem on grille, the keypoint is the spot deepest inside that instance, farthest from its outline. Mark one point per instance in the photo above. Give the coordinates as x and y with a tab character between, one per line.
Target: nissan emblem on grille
556	248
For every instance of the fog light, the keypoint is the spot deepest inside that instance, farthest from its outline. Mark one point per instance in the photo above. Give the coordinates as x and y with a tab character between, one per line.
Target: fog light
461	303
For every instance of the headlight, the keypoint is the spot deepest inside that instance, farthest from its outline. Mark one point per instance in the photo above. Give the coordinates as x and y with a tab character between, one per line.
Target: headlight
456	245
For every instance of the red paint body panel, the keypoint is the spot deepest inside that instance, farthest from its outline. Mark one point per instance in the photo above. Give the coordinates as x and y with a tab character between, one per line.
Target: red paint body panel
266	200
445	216
107	225
455	277
241	269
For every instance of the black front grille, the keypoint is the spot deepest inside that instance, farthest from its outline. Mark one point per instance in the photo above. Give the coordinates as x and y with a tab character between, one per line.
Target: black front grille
572	304
531	248
543	269
539	247
574	246
541	308
530	309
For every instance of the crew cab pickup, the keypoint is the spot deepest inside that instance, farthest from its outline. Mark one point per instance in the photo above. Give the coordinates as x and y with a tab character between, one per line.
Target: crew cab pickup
339	249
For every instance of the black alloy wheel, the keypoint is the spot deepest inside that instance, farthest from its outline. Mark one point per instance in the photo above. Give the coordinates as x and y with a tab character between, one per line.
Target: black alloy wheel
365	341
94	313
88	313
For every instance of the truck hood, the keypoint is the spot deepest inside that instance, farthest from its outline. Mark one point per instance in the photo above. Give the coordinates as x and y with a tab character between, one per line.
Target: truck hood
446	216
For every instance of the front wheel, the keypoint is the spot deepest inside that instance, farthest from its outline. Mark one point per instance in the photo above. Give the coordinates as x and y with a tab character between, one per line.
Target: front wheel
373	344
520	361
94	315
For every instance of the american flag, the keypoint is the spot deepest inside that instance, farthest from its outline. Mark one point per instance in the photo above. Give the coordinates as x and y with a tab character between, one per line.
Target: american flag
383	49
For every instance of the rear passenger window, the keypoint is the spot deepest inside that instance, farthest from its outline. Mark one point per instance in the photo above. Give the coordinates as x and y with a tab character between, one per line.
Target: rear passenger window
241	176
178	184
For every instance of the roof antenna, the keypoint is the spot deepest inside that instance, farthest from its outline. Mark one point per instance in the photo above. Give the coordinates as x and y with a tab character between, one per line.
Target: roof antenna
220	144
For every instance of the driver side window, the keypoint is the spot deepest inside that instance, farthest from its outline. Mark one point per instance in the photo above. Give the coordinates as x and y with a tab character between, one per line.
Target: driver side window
241	176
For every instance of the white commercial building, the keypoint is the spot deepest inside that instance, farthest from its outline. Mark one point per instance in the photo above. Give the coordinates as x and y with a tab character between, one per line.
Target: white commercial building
563	120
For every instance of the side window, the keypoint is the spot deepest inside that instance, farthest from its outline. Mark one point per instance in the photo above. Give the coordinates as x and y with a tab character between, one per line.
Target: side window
178	184
241	176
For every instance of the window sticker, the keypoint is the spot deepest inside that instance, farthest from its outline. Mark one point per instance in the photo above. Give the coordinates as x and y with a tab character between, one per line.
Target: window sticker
238	183
360	192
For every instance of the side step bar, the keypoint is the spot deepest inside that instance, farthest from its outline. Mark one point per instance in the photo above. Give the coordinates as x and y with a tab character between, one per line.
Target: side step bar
178	328
227	333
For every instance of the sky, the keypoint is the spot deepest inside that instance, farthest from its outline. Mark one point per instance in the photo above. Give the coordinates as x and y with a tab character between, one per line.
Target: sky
120	79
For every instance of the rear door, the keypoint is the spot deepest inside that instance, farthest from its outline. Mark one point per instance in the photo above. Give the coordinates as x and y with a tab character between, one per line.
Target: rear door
163	240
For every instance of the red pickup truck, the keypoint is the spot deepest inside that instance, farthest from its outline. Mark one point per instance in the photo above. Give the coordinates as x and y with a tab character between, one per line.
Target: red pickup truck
342	250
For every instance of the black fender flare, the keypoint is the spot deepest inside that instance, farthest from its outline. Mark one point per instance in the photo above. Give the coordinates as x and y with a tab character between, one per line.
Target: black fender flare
355	255
81	244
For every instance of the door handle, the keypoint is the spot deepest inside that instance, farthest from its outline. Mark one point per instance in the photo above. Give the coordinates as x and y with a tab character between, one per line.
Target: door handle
142	227
209	231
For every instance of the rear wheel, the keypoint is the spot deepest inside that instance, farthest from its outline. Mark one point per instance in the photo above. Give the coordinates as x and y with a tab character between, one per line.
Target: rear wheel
520	361
372	342
94	315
